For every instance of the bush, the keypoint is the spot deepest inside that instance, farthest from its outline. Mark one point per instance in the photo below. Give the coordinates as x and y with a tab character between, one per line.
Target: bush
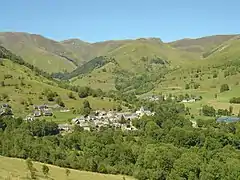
2	83
71	95
50	95
235	100
4	96
8	76
215	75
223	112
224	87
60	102
104	70
187	86
208	110
83	92
196	85
226	73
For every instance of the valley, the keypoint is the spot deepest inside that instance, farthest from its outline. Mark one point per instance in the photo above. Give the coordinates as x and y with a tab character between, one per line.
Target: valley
142	108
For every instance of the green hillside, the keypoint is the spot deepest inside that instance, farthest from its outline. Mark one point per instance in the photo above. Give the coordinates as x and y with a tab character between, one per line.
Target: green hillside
205	77
142	65
12	168
41	52
144	59
87	51
22	88
201	45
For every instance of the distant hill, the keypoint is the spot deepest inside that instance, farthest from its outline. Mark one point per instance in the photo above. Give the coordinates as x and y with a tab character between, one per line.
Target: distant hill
41	52
53	56
87	51
227	51
121	64
201	45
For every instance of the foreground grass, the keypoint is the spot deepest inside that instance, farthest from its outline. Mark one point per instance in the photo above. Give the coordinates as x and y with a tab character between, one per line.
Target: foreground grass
12	168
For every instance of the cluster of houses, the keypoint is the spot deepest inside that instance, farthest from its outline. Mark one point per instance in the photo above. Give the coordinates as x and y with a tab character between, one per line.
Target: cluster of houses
41	110
191	100
108	119
153	98
5	109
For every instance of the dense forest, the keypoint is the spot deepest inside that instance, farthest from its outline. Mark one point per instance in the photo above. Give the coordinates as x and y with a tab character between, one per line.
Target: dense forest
165	146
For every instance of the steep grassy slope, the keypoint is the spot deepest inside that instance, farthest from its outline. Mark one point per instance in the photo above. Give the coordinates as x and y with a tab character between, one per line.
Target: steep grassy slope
129	55
21	87
41	52
125	51
221	66
227	51
12	168
24	88
103	78
134	58
201	45
138	65
87	51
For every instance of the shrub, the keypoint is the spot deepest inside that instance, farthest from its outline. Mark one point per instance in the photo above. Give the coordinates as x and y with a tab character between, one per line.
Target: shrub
215	75
226	73
104	70
223	112
8	76
2	83
235	100
196	85
187	86
71	95
4	96
208	110
224	87
50	95
60	102
83	92
45	170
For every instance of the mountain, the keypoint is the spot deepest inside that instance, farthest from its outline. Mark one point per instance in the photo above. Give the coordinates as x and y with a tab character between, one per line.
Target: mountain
144	58
87	51
39	51
128	65
53	56
201	45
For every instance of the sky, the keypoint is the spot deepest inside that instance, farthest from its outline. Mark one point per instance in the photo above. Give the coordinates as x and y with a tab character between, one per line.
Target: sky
99	20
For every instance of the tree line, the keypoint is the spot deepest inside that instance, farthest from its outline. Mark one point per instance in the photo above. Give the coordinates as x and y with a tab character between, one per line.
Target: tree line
165	147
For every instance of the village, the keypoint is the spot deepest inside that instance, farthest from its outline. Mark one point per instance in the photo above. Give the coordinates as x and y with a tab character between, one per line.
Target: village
182	98
113	119
97	119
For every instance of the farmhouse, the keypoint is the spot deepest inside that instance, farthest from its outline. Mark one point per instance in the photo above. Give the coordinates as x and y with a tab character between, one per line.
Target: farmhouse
37	113
64	127
47	112
5	109
142	112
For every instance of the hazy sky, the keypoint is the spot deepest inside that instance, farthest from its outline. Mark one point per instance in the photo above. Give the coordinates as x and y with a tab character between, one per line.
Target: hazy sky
97	20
